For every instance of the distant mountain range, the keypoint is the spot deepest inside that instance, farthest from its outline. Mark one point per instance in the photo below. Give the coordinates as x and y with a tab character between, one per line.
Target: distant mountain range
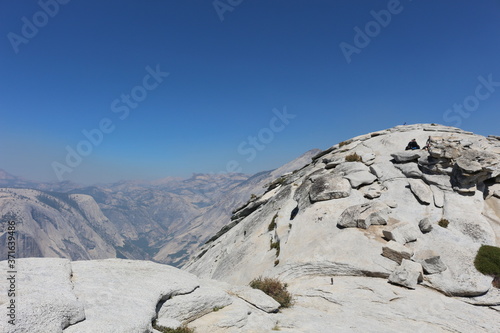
163	220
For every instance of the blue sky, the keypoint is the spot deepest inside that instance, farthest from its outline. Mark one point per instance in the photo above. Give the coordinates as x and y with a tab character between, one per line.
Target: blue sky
231	69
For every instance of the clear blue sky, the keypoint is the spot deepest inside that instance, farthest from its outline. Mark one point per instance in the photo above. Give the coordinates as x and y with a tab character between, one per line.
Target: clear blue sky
227	76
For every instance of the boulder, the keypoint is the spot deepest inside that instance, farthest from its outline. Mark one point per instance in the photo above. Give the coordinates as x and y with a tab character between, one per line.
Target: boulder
358	179
334	163
364	215
430	261
122	295
438	196
469	166
347	168
410	170
257	298
186	308
372	191
385	171
445	147
493	191
425	225
406	156
402	233
368	158
408	274
421	190
396	251
330	186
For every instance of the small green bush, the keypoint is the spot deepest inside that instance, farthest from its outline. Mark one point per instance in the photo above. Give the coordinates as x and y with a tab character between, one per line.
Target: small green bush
274	288
353	158
488	260
276	262
276	245
272	225
182	329
443	223
343	143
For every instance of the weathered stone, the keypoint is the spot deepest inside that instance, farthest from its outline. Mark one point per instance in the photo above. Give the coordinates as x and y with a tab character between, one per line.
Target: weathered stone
396	251
406	156
430	261
438	196
364	215
445	147
385	171
410	170
425	225
391	203
347	168
186	308
421	190
358	179
333	164
122	295
257	298
373	191
402	233
330	186
408	274
368	158
469	166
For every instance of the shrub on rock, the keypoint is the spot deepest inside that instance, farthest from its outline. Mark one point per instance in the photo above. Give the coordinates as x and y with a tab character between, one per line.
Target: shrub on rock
488	260
353	158
274	288
443	223
181	329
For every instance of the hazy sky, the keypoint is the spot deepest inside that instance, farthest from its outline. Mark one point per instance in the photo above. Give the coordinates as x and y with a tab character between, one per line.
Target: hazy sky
97	91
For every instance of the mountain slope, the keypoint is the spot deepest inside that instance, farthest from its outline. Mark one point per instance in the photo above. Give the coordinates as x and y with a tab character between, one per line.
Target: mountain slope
335	218
199	230
50	224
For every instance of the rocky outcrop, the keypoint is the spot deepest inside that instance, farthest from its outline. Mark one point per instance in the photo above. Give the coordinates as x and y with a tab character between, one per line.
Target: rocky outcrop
421	191
364	215
425	225
339	235
136	296
430	261
408	274
396	251
115	295
402	233
329	187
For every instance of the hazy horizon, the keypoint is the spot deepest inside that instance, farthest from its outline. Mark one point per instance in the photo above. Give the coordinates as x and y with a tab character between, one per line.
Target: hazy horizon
98	92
